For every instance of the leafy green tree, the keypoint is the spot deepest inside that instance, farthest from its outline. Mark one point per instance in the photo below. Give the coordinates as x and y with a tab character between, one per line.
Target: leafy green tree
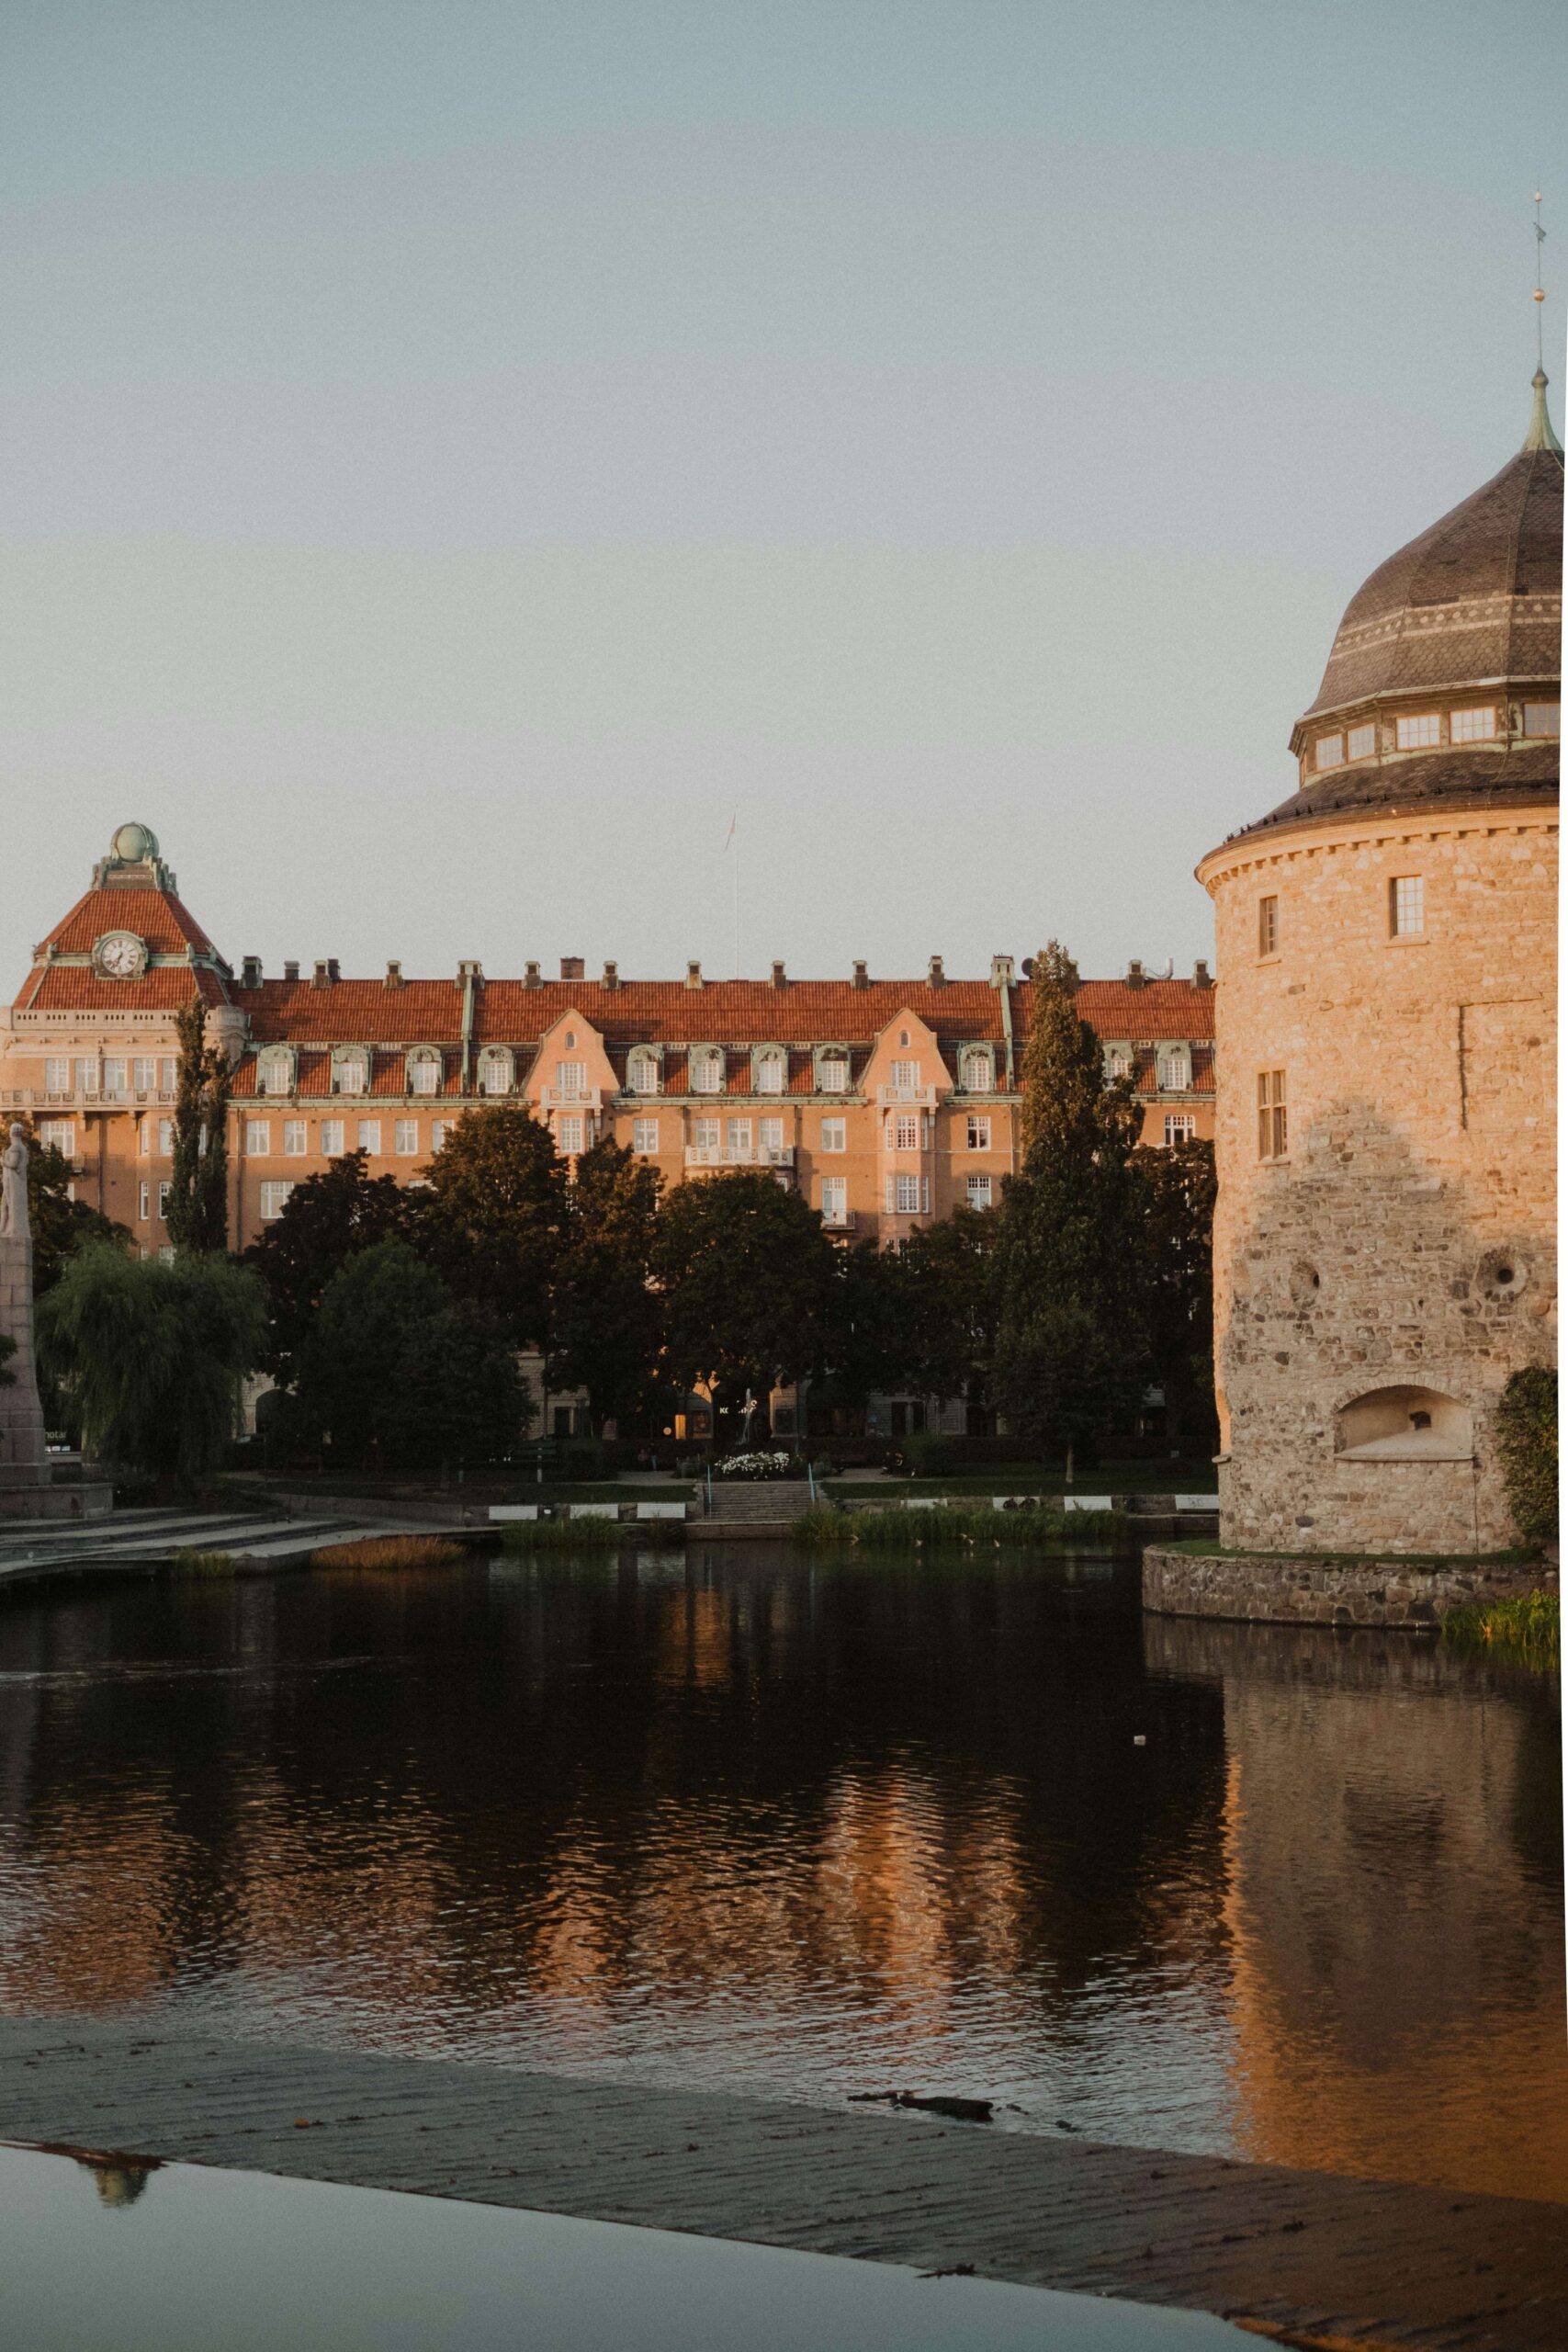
606	1319
495	1216
948	1333
393	1366
59	1225
152	1355
745	1271
866	1339
324	1221
198	1181
1071	1357
1178	1187
1526	1444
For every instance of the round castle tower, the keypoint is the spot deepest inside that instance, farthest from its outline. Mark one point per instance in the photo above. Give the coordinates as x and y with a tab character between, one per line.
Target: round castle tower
1384	1250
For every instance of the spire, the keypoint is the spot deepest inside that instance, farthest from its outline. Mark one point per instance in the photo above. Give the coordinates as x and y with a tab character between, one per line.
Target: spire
1540	435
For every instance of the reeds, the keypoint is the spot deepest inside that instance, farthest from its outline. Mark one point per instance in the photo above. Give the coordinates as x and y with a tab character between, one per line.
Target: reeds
1517	1633
573	1534
191	1562
390	1552
981	1530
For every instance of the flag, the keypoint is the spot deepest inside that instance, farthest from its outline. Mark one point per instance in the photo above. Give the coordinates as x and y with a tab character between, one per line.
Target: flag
731	834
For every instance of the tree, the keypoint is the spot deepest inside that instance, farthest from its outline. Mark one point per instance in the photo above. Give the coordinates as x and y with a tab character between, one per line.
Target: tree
152	1354
605	1318
325	1222
59	1225
496	1214
866	1341
745	1271
1071	1348
948	1333
392	1363
1178	1187
199	1184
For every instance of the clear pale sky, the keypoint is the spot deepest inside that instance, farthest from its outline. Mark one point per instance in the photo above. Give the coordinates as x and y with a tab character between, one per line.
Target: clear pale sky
458	456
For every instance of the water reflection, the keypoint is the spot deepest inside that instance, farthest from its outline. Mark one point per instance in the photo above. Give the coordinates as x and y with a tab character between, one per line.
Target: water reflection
752	1819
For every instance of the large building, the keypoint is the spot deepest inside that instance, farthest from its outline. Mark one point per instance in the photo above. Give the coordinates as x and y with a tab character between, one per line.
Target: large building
1385	1251
887	1102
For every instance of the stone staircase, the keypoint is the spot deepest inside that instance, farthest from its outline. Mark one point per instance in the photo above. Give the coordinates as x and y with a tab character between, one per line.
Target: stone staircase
140	1542
768	1502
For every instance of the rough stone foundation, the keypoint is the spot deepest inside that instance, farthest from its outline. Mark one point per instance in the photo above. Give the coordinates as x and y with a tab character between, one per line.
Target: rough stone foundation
1277	1588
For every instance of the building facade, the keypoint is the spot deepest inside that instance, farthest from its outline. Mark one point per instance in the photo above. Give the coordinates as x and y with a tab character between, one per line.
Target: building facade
1385	1251
888	1103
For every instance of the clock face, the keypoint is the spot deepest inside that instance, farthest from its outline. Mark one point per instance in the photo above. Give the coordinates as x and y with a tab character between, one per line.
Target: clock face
120	956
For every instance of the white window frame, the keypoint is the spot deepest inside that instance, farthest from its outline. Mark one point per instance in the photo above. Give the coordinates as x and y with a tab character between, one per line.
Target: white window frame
705	1071
770	1135
705	1135
571	1129
116	1074
1542	718
1180	1126
57	1074
977	1192
835	1200
405	1138
351	1072
978	1131
1273	1117
1474	722
1269	924
368	1136
59	1135
274	1193
1361	741
833	1074
166	1138
1328	751
425	1073
333	1137
643	1074
905	1073
165	1189
770	1074
86	1075
144	1201
144	1074
277	1073
644	1135
439	1133
906	1126
296	1139
1420	730
1176	1071
737	1135
571	1081
834	1136
1406	905
258	1138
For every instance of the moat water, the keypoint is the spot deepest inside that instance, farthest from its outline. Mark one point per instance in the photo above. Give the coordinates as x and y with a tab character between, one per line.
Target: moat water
753	1820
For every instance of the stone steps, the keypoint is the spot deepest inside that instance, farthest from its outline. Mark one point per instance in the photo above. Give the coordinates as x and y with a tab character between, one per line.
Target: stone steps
741	1501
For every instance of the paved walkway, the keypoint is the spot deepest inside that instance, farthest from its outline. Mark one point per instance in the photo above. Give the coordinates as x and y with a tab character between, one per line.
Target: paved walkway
1310	2255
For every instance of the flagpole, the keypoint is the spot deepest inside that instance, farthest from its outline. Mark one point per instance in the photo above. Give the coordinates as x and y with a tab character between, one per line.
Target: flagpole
738	908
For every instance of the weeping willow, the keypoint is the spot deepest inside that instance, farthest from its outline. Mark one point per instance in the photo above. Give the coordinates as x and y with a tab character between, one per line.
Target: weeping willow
152	1354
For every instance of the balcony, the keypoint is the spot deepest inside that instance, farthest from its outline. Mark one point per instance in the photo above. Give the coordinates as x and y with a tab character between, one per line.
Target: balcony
741	1155
844	1222
571	1098
921	1097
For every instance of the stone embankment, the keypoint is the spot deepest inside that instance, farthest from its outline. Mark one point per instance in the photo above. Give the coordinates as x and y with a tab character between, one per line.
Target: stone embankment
1298	1589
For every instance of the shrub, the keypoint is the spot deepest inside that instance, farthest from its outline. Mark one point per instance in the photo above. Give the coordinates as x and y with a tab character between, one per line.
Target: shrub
1527	1442
390	1552
1523	1633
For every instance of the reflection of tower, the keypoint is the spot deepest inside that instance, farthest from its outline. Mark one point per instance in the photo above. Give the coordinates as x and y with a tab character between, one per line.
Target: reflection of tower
118	2183
1384	1252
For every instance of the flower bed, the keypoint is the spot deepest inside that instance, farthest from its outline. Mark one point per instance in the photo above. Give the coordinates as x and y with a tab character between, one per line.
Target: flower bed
756	1466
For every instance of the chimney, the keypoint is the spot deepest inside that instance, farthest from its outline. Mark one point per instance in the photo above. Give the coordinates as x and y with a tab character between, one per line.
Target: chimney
1001	971
531	974
291	971
322	977
332	968
250	972
859	980
694	975
935	976
572	967
612	977
1136	978
778	977
394	973
1201	979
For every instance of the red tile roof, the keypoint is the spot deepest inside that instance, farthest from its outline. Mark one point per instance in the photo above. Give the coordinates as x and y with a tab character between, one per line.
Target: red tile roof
76	987
154	915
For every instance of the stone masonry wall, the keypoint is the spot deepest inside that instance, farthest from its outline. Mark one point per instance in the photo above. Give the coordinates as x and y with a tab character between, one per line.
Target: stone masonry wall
1295	1591
1408	1236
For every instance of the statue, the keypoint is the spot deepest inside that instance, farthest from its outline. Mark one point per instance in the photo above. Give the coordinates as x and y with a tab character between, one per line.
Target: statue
747	1415
13	1225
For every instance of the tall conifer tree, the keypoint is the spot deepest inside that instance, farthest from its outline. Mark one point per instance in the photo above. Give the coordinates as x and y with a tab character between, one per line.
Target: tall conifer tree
198	1189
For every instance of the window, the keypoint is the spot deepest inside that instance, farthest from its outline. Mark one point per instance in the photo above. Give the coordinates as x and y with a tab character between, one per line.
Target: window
144	1075
1269	926
166	1075
1361	742
1121	1063
166	1138
905	1073
331	1138
835	1200
275	1073
770	1075
1419	734
439	1129
569	1136
294	1138
368	1135
146	1128
908	1195
1328	750
708	1073
770	1133
834	1073
258	1138
495	1070
59	1135
144	1201
705	1134
165	1189
115	1074
903	1037
405	1138
976	1133
644	1135
737	1135
643	1073
1543	719
57	1075
1175	1071
905	1132
349	1074
572	1079
1272	1115
273	1196
977	1073
424	1074
834	1133
979	1188
1406	905
1178	1125
87	1076
1477	724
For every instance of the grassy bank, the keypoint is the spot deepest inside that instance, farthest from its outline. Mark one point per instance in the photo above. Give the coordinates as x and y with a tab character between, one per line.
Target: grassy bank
1518	1632
391	1551
909	1531
1034	1478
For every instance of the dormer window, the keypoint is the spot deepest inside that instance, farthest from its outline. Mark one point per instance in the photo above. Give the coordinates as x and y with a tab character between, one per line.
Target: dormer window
1543	719
424	1072
1175	1070
1475	724
571	1078
977	1072
834	1073
1328	751
496	1070
1121	1061
350	1069
1361	742
1420	734
770	1074
708	1071
275	1070
642	1073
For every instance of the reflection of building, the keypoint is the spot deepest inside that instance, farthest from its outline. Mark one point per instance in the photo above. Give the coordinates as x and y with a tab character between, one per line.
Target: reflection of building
887	1102
1383	1249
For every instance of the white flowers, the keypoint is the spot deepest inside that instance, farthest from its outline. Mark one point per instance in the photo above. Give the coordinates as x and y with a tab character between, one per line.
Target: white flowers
755	1465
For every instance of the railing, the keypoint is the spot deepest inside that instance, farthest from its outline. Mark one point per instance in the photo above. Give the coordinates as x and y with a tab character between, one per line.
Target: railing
844	1222
39	1098
741	1155
570	1098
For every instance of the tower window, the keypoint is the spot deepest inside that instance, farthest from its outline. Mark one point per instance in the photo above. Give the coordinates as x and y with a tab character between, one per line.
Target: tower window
1269	926
1329	751
1361	742
1477	724
1420	733
1406	905
1543	719
1271	1125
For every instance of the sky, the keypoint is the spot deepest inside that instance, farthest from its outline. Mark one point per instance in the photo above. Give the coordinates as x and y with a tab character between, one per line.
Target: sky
461	458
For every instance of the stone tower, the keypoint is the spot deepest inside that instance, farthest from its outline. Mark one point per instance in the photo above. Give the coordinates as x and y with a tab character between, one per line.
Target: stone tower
1384	1246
